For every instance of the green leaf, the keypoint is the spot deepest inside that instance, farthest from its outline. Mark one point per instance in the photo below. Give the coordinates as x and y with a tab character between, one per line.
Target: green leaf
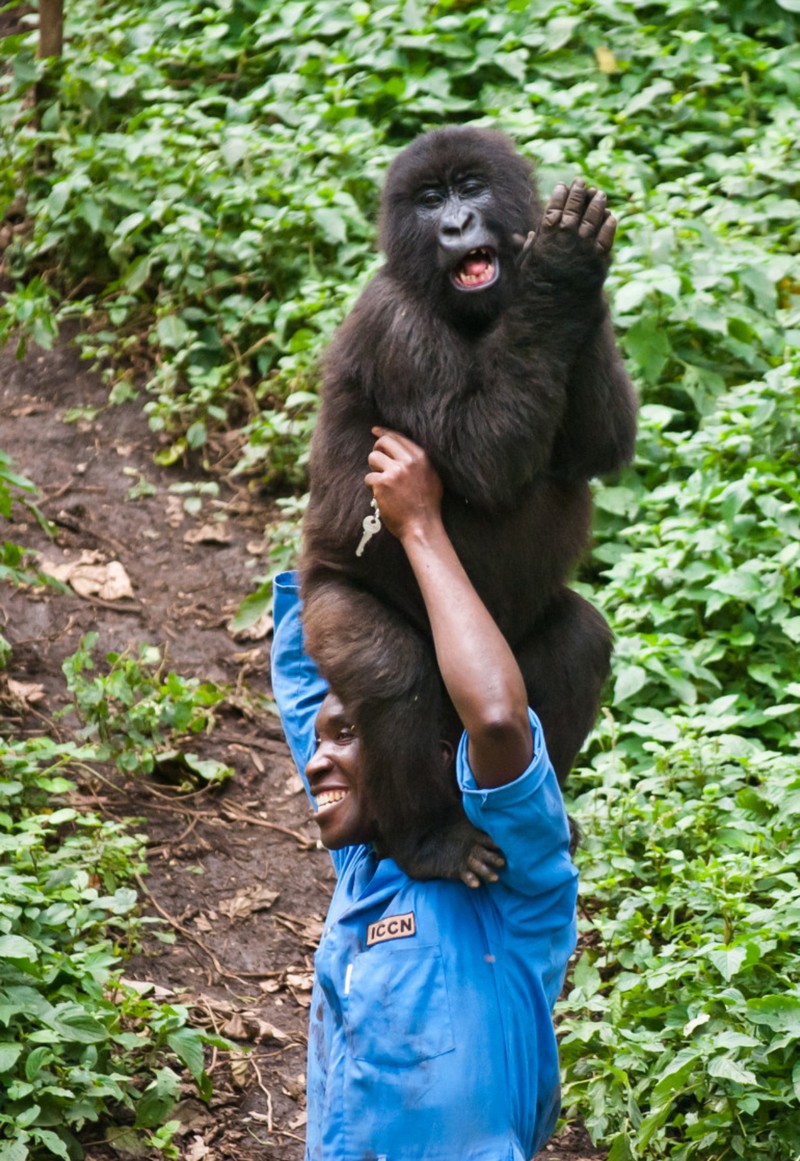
209	769
728	960
791	627
621	1149
14	1150
171	455
59	196
9	1055
187	1044
234	150
251	609
586	976
629	681
138	273
332	223
172	331
726	1068
648	344
781	1013
158	1099
80	1028
52	1142
17	947
36	1060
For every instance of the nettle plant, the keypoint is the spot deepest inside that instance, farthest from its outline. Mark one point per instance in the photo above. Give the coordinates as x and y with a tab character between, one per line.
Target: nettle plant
702	574
141	715
680	1036
17	493
77	1046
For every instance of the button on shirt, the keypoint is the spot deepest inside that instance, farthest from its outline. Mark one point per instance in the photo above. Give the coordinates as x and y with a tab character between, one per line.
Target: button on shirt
431	1037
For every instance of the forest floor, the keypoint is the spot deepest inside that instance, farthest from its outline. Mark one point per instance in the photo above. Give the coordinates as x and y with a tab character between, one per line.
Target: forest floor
237	872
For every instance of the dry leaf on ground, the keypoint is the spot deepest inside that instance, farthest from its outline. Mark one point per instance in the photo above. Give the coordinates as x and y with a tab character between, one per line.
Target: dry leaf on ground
250	899
20	694
208	534
91	576
195	1150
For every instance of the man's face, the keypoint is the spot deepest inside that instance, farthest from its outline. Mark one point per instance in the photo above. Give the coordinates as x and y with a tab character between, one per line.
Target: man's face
334	775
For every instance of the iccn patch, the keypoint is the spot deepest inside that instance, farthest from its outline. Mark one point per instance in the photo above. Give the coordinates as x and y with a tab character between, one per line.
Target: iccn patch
392	927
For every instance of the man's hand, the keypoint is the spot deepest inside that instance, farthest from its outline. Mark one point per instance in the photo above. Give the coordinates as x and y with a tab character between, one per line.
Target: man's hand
404	483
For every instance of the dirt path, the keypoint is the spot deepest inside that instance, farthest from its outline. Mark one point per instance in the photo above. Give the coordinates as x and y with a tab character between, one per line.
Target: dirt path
237	873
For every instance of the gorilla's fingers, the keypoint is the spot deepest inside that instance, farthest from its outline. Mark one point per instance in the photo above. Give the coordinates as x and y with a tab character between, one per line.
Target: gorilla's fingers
605	238
469	879
485	859
480	871
496	858
594	216
555	207
526	248
573	209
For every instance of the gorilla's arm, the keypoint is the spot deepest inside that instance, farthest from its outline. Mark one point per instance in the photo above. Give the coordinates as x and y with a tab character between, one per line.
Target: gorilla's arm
598	429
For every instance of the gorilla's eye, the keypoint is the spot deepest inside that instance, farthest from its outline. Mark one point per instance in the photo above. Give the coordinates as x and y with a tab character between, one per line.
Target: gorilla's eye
431	198
471	186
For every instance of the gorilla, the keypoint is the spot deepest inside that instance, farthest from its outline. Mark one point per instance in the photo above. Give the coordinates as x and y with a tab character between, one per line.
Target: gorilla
486	339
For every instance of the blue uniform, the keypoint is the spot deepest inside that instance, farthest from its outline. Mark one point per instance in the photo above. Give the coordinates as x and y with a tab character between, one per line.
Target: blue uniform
431	1037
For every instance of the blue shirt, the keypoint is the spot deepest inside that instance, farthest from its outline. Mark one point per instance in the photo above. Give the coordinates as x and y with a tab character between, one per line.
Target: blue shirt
431	1037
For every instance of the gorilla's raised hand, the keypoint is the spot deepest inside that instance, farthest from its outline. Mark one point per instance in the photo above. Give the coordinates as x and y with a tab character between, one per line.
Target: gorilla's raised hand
574	238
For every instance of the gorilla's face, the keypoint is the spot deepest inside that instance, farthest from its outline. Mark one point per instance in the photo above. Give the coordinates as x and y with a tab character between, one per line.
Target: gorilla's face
455	205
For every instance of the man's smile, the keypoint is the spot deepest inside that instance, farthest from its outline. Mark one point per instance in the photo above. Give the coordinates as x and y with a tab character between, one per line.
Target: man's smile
327	798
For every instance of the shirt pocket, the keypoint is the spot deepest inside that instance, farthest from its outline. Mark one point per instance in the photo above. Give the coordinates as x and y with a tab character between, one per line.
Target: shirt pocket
398	1010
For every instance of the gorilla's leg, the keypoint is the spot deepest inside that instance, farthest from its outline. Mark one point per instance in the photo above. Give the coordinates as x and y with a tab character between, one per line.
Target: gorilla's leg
565	663
385	674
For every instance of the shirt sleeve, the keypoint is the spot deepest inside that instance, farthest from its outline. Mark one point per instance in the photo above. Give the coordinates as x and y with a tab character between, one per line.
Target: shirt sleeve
527	820
298	687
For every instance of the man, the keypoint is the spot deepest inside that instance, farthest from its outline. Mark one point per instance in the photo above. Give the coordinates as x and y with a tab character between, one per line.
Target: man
431	1036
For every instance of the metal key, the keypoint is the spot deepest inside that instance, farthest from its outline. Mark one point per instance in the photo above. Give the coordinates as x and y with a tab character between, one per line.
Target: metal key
372	526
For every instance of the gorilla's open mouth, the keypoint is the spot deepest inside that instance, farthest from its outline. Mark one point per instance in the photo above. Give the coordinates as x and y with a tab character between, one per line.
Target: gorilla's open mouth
478	270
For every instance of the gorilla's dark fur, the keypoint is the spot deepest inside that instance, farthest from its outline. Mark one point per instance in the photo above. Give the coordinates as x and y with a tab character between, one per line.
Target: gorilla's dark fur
518	394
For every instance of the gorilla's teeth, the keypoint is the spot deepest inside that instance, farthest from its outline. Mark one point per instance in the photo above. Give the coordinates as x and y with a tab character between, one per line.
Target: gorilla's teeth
477	279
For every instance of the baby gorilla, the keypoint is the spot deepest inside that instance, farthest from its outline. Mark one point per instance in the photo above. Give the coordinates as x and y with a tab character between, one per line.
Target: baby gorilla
486	339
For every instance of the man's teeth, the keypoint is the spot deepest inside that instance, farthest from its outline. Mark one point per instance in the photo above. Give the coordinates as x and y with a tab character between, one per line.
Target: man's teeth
328	797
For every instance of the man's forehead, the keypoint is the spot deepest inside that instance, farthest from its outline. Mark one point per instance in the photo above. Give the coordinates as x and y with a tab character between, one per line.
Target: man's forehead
331	709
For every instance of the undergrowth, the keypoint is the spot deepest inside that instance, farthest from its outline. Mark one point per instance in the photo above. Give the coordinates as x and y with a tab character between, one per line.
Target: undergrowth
142	715
78	1048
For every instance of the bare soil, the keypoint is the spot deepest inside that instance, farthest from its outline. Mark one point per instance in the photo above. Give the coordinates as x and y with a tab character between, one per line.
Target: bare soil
236	873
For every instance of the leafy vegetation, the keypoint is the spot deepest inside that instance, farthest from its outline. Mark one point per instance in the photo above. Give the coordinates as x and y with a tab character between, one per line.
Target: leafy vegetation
199	196
76	1045
141	716
16	490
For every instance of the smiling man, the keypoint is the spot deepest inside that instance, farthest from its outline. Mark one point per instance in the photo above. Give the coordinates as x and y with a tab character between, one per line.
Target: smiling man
431	1037
332	774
